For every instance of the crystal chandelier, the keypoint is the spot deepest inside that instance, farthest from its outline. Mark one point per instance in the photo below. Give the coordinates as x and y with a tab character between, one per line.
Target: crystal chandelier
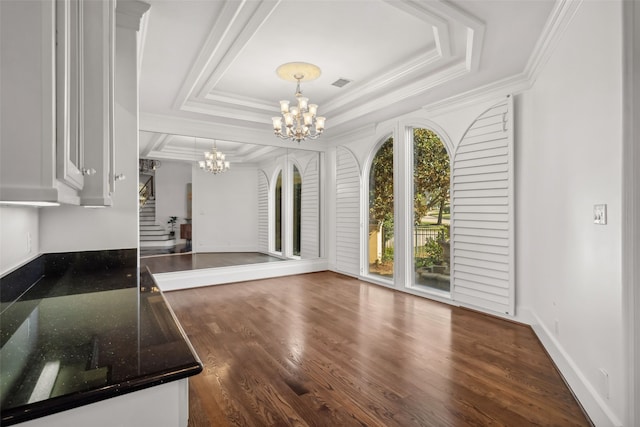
214	161
146	165
301	120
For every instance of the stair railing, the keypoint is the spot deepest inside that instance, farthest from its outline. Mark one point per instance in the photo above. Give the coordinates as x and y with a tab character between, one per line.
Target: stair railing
146	192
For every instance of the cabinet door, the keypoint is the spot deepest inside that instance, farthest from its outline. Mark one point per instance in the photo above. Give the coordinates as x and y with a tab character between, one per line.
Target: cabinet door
98	59
69	93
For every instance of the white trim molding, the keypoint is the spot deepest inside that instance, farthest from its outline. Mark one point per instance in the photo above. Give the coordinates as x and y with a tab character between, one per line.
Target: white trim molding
178	280
556	25
631	204
129	13
584	391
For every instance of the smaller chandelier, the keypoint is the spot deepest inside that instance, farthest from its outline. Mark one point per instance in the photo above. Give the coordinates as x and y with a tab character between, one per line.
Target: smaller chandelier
301	120
214	161
146	165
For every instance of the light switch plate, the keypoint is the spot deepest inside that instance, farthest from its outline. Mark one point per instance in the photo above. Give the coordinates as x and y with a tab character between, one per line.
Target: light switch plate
600	214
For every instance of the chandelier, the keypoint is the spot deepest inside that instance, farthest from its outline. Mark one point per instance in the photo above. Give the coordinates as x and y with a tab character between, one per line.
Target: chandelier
301	120
146	165
214	161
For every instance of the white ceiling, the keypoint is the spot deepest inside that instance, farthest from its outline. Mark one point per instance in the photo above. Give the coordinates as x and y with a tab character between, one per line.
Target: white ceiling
211	63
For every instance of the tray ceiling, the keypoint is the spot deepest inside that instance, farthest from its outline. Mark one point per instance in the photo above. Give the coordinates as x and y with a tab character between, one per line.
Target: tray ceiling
214	62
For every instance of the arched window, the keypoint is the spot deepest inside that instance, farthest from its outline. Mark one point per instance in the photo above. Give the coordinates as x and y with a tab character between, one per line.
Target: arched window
287	211
381	212
277	217
449	232
431	211
297	210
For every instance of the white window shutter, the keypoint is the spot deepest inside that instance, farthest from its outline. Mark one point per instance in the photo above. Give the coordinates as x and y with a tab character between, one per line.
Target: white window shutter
482	230
310	215
263	212
347	212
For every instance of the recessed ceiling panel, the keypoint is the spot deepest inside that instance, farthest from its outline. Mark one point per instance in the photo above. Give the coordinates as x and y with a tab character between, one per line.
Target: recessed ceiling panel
211	64
175	34
356	40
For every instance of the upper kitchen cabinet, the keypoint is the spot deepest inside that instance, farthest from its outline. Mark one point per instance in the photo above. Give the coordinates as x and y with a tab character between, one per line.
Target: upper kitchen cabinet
57	103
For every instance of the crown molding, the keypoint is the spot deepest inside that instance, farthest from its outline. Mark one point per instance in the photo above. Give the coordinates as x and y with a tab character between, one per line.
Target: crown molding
223	44
385	80
475	27
416	88
129	13
556	25
161	123
510	85
239	113
238	22
156	141
142	40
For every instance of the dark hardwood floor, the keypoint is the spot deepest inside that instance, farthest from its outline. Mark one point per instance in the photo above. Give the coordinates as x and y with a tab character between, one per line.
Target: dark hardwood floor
195	261
324	349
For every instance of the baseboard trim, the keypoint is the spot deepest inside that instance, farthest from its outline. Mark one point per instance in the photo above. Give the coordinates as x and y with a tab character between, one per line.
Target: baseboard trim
226	248
592	403
178	280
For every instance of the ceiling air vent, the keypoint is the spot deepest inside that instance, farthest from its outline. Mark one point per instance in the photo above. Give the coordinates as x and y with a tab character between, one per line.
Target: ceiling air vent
341	82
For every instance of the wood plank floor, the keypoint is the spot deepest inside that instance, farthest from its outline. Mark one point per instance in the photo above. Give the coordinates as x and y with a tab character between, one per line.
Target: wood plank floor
324	349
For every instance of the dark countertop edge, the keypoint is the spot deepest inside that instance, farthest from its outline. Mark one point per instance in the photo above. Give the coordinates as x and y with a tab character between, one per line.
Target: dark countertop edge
75	400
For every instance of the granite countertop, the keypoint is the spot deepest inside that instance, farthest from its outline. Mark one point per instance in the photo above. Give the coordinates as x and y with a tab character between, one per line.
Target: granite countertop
80	334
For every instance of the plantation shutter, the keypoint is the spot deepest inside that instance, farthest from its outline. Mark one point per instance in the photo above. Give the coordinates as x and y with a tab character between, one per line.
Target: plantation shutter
347	212
263	212
482	233
310	227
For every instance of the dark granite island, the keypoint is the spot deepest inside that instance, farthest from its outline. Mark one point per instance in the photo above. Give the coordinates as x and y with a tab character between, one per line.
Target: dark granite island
89	334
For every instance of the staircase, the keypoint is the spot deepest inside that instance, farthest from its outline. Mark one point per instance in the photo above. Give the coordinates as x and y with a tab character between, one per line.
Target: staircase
154	238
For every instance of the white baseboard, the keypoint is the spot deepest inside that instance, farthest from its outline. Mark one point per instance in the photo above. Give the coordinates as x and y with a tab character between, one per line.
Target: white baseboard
216	276
590	400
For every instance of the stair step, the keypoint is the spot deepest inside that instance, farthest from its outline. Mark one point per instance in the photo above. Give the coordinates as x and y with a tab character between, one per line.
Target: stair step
158	232
156	238
158	244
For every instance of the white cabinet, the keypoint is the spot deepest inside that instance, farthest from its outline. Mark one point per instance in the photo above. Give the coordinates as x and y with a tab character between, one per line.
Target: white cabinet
97	102
69	73
57	101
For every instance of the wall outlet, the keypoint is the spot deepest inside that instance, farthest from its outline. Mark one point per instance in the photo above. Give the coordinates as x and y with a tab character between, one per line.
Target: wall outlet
600	214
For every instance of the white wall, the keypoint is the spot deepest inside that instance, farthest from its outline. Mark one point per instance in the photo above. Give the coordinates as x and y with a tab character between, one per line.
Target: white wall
225	210
171	193
74	228
568	158
19	236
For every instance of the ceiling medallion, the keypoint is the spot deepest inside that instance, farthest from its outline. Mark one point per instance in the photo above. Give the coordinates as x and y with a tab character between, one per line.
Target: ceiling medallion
300	121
